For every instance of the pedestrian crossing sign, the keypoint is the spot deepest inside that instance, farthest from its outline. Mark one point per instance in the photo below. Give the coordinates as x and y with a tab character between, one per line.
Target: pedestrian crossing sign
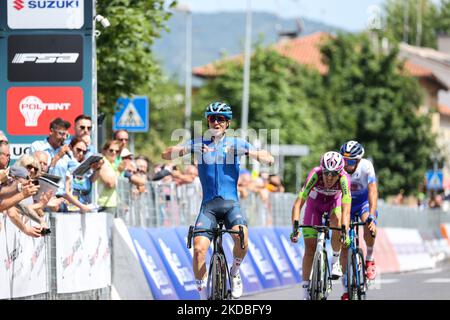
434	180
131	114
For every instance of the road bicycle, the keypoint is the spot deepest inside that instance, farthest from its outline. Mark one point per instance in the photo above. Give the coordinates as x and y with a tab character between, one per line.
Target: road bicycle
320	278
219	273
356	269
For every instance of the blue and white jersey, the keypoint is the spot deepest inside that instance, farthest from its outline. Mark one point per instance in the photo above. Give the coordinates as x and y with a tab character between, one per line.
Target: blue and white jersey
218	169
360	179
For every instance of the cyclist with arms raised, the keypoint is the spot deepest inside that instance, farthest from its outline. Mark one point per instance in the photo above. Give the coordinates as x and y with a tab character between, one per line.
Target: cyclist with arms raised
327	189
364	200
218	167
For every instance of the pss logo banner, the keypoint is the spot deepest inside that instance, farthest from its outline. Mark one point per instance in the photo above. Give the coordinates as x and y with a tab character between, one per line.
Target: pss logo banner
45	14
45	58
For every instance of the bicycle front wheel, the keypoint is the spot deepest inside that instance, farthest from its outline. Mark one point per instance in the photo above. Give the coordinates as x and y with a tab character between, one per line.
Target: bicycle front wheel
218	277
352	281
316	283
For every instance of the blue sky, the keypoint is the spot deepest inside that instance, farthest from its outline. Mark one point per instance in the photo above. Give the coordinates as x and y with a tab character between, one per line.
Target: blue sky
351	15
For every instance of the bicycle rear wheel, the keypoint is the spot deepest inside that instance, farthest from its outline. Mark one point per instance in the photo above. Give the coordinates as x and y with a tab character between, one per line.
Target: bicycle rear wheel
362	288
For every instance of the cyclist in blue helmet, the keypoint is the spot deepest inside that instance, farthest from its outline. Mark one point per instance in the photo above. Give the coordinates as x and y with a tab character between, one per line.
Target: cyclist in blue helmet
364	200
218	166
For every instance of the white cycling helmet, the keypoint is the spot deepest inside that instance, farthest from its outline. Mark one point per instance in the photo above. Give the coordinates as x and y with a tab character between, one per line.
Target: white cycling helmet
332	161
352	150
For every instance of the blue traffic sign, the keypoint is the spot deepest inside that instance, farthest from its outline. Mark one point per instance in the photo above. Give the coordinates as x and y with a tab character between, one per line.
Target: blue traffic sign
435	180
132	114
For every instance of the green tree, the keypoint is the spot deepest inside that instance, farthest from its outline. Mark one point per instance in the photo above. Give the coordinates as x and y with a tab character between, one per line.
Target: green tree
408	32
126	65
443	23
371	98
283	95
166	115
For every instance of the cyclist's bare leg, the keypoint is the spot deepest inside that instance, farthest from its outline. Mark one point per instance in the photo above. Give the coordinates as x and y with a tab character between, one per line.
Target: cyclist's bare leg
238	256
238	252
370	241
335	222
308	257
201	246
343	259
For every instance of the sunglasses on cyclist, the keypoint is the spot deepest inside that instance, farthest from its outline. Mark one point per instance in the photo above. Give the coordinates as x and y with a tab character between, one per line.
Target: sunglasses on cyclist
350	162
330	173
219	119
86	128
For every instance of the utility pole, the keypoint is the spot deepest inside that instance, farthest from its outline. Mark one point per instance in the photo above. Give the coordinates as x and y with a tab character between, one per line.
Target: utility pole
188	64
246	84
405	21
419	23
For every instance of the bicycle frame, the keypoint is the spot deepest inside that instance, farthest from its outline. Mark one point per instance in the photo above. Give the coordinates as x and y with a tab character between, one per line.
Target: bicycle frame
218	255
357	267
320	282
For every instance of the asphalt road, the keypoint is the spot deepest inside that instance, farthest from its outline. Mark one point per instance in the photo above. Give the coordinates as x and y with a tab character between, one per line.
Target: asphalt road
432	284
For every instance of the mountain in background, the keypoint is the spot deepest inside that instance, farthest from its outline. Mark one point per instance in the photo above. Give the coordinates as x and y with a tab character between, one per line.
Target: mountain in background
218	34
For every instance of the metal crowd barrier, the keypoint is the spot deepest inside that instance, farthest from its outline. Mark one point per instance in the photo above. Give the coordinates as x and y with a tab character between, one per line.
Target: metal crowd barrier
50	243
165	204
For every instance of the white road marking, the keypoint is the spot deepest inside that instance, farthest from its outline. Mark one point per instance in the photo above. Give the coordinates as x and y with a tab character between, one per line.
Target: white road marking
384	281
437	280
430	271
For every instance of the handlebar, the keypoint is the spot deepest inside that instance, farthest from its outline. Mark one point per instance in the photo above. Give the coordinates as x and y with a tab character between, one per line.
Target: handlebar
355	224
214	231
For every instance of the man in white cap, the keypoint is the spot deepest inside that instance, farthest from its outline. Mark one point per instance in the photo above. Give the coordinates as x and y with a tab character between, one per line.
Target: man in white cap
128	168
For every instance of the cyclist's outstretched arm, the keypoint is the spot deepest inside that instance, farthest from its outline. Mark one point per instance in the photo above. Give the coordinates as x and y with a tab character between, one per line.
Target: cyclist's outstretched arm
173	152
262	156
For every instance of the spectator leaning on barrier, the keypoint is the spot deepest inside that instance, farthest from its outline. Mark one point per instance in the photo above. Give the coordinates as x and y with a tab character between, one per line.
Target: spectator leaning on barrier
81	186
108	175
143	166
42	158
11	190
187	176
83	128
128	169
21	175
31	164
62	161
122	137
275	184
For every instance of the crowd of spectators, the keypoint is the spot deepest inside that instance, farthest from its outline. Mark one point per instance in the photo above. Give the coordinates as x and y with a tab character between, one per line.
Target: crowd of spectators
44	180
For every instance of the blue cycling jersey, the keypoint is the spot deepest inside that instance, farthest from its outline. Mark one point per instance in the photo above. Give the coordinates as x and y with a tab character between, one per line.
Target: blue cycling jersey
219	169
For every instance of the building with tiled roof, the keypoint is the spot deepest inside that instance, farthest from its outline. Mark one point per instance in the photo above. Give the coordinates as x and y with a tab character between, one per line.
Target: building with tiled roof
429	66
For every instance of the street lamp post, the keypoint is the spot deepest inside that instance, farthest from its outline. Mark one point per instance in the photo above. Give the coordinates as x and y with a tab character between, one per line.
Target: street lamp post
246	83
188	72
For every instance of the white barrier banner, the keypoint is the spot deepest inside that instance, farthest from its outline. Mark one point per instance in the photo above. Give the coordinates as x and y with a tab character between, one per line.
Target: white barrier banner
410	249
23	259
83	252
